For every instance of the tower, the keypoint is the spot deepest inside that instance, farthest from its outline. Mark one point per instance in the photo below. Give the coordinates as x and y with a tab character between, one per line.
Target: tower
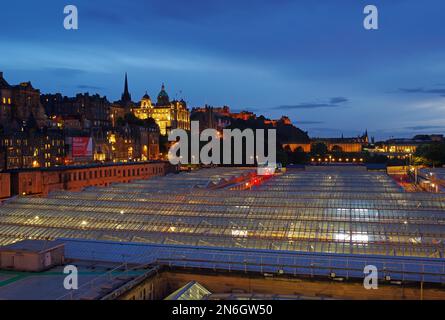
163	98
126	96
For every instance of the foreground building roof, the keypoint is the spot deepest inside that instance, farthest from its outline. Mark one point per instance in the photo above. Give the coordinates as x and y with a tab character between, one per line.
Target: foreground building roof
316	212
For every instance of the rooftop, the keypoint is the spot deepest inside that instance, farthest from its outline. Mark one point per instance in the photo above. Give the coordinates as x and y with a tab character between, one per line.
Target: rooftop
85	166
435	173
32	246
336	211
95	281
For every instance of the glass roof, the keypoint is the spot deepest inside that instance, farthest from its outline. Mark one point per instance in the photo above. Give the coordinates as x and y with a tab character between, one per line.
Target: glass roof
330	211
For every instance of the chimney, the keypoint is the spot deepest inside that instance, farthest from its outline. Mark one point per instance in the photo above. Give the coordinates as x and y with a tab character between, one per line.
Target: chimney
1	74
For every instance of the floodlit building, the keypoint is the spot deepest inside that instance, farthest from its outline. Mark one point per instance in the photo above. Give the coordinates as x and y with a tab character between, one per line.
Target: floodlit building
168	114
405	148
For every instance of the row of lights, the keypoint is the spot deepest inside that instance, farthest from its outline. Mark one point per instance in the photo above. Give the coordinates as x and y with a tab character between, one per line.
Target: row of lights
339	160
83	223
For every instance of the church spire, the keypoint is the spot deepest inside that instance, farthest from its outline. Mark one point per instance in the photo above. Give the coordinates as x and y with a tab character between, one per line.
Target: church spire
126	96
126	83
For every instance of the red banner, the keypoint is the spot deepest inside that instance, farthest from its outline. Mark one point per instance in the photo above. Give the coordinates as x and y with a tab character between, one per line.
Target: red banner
82	147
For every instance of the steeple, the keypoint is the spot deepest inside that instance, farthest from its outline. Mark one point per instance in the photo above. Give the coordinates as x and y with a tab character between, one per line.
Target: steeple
126	83
365	136
126	96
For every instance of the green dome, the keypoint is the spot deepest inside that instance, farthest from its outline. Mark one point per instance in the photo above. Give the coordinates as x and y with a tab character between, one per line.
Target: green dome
163	98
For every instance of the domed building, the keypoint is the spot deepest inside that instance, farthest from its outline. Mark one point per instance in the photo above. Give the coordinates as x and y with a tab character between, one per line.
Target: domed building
163	98
168	114
146	101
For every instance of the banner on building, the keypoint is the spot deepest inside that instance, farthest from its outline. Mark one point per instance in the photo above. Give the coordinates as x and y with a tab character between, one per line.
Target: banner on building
82	147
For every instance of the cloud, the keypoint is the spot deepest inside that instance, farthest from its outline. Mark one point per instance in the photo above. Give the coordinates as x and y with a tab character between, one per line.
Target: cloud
424	127
85	86
334	102
310	122
106	16
440	91
337	100
65	72
304	106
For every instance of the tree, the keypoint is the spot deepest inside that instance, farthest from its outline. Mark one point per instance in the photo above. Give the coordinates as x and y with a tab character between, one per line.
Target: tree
149	122
282	157
130	118
337	149
319	149
431	154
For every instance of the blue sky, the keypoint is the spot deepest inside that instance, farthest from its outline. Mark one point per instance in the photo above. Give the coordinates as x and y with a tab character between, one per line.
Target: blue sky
310	60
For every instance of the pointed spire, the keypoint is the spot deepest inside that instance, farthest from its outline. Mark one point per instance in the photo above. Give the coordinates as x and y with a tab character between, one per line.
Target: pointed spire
126	84
126	96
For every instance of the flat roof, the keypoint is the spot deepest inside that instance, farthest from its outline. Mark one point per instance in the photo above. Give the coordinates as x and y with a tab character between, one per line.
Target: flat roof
32	246
94	282
86	166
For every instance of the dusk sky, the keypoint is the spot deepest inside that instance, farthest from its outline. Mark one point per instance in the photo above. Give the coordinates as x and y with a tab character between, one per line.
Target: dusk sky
310	60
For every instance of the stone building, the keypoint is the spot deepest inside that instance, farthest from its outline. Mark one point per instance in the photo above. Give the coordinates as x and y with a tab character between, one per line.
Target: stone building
31	148
94	110
19	102
5	100
168	114
132	142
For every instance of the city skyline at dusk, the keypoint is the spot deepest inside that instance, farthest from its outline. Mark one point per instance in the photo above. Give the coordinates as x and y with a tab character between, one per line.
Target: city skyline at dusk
238	154
317	65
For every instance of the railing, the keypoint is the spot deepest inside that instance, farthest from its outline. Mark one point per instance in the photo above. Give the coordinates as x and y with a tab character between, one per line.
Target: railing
123	269
389	268
408	269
